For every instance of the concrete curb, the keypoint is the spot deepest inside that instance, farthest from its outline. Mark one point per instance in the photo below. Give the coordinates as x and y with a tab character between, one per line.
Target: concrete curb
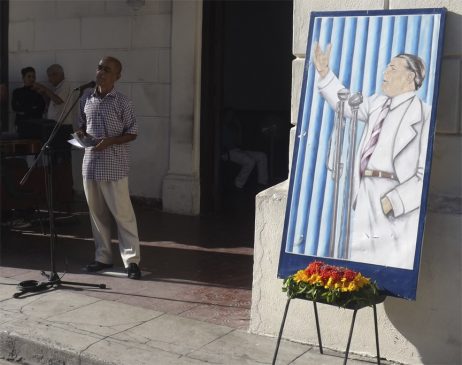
64	328
26	351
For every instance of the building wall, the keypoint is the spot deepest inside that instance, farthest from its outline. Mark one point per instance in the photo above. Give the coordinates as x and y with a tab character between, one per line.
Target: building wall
76	34
425	331
181	188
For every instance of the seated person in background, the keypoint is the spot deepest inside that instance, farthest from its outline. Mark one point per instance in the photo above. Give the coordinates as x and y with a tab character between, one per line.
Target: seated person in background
232	151
27	103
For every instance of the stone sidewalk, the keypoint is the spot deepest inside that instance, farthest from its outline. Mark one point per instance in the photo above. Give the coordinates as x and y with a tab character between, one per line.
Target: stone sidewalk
59	326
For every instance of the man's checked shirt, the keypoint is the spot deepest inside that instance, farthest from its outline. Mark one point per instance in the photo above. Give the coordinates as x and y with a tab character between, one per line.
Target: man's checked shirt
108	116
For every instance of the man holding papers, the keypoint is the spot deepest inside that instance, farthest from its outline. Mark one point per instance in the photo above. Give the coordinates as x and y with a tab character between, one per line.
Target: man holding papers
108	116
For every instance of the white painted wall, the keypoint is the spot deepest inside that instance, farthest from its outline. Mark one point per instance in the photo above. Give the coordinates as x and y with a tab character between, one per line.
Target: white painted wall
425	331
76	34
181	188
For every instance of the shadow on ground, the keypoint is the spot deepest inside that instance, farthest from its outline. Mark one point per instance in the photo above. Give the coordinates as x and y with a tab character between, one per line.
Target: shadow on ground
197	267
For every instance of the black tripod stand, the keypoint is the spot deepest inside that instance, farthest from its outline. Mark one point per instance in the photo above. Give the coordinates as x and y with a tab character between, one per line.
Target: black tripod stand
46	153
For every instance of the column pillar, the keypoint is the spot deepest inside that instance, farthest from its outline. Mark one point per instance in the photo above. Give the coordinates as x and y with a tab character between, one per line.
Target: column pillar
181	190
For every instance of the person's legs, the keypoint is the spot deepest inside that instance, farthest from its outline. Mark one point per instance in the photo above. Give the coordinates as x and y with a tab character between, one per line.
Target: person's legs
117	197
262	166
247	164
100	221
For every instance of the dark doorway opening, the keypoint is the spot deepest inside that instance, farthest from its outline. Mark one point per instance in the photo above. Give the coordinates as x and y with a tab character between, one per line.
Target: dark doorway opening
4	21
246	70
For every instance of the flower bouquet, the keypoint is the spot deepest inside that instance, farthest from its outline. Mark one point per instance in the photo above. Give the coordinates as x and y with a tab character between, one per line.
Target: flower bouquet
334	285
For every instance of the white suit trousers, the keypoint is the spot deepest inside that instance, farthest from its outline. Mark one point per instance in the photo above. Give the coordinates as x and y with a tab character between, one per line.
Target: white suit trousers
112	197
248	160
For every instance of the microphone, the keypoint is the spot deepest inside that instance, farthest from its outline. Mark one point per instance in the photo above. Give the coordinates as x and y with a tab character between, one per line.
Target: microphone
90	84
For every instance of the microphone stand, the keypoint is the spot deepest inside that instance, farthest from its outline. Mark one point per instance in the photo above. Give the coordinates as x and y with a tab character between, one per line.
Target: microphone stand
355	101
343	95
46	152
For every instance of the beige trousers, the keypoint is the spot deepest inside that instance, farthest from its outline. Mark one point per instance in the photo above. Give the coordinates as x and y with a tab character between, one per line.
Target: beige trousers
112	197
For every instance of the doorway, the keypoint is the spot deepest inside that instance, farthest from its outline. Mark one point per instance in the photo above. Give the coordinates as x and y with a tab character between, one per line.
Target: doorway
4	22
246	69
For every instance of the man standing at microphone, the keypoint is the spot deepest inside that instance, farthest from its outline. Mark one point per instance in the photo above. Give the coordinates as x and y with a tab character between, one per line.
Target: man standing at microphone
108	116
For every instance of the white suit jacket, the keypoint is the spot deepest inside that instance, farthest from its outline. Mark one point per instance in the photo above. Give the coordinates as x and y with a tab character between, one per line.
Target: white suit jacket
410	144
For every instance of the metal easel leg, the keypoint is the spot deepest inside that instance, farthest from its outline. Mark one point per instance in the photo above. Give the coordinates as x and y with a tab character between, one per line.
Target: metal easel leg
349	337
280	332
317	327
376	334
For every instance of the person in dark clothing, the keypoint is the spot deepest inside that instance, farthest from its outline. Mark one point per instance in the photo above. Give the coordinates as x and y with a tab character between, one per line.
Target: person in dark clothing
27	103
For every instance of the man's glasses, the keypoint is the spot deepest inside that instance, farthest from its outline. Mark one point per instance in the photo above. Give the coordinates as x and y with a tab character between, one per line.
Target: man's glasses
103	68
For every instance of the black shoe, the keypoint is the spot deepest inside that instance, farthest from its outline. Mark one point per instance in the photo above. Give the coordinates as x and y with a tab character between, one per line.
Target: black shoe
97	266
133	271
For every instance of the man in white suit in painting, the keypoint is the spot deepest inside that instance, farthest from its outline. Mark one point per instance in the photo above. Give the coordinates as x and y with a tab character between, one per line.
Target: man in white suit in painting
390	161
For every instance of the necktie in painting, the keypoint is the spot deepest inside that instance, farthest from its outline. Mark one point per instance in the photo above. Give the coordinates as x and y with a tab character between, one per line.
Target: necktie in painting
372	143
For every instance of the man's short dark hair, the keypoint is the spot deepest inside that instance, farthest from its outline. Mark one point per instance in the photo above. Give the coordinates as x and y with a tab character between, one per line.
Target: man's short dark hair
416	65
26	70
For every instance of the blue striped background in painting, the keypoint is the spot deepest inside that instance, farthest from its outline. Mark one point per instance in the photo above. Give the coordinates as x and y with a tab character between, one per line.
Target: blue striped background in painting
399	35
386	38
320	173
312	135
361	49
308	86
413	35
344	70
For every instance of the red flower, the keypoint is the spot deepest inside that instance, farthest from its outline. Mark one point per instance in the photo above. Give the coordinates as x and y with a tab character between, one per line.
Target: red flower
327	273
349	275
314	267
336	276
335	273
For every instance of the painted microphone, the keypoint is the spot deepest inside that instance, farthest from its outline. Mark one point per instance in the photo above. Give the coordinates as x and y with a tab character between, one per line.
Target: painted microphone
337	167
354	101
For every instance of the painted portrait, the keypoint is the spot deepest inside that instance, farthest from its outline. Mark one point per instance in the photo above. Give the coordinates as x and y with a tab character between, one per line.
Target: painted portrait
362	156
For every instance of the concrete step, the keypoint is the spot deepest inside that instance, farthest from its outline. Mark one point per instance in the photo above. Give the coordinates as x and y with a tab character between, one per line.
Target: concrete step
5	362
62	327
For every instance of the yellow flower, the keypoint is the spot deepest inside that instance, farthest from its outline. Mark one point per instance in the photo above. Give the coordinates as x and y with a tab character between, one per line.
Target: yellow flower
301	276
352	286
361	281
315	279
329	283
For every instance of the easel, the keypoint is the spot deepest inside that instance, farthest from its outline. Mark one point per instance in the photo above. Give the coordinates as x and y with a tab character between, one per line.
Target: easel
354	307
